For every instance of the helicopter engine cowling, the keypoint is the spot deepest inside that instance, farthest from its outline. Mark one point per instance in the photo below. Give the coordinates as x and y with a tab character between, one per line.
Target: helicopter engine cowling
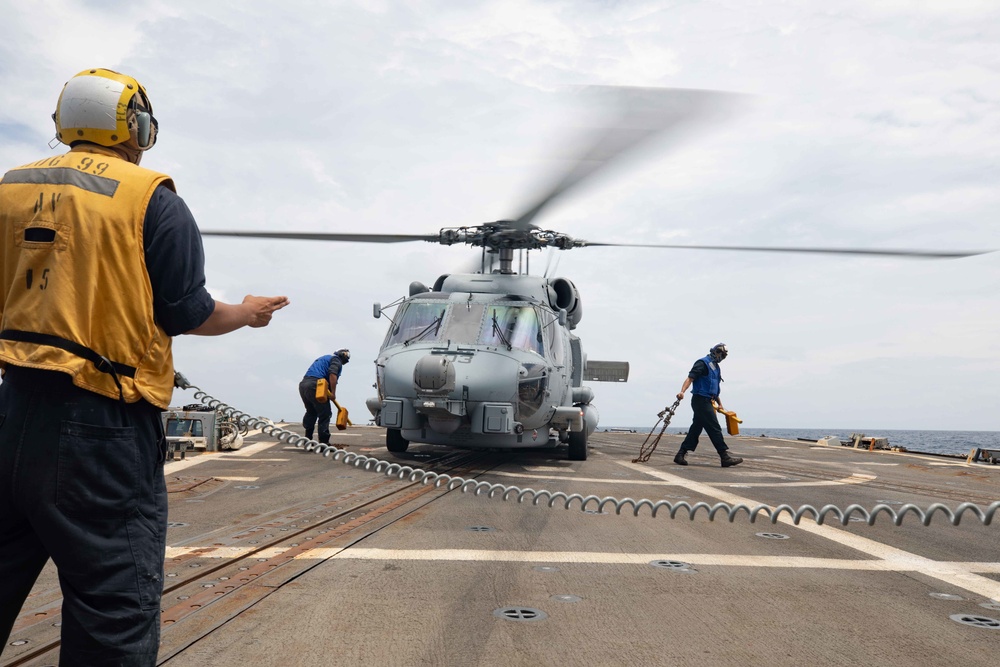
564	295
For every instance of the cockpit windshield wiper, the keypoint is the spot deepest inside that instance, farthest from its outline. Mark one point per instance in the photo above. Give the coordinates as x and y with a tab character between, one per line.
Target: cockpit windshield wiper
435	324
499	332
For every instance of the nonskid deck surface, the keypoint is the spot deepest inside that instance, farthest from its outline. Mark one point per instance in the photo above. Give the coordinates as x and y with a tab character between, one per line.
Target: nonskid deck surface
281	556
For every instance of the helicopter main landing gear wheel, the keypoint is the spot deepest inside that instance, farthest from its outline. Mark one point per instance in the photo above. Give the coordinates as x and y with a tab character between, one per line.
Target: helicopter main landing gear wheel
395	442
578	445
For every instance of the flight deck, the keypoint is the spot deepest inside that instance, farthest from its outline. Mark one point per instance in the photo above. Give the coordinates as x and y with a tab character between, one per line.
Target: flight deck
282	556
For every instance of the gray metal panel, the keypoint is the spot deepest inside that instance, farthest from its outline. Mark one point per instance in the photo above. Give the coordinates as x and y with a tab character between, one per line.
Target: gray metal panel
606	371
577	352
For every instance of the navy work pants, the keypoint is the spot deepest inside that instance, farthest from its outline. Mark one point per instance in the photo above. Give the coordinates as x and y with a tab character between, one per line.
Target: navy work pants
81	482
317	412
705	419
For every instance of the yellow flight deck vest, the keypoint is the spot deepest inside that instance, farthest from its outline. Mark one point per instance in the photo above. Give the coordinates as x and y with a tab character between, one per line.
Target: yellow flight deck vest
75	295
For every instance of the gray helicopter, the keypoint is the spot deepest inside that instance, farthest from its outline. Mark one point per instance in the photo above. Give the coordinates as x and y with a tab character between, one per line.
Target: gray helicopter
490	358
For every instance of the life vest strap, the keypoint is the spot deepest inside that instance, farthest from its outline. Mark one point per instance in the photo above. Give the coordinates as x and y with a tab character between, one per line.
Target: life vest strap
102	363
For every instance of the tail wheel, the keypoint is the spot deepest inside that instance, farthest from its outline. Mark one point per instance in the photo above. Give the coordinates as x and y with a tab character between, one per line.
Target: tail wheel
395	442
578	445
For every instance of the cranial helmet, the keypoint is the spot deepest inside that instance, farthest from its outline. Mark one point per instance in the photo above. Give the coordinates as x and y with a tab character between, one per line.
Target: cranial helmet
105	108
719	352
344	355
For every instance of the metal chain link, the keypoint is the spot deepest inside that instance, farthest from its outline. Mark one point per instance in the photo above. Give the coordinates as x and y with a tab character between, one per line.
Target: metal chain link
591	502
647	448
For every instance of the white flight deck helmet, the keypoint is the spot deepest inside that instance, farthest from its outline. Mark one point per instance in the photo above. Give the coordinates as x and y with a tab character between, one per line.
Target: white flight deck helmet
106	108
344	355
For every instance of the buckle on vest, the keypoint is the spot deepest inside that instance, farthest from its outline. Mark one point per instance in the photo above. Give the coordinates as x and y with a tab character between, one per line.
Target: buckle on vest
104	365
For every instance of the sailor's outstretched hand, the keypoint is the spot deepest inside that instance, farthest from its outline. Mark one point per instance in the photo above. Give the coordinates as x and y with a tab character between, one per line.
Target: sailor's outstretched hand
263	307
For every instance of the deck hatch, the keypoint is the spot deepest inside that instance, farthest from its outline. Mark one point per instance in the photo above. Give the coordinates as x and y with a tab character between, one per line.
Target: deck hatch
520	614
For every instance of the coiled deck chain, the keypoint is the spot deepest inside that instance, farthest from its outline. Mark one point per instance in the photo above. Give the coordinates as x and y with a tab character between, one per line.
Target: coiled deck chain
592	502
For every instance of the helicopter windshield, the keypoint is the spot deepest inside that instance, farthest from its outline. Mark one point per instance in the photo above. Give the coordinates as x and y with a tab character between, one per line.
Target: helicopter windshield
514	326
420	321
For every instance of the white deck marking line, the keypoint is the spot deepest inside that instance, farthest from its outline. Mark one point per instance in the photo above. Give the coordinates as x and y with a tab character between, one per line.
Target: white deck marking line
263	460
946	568
237	479
250	450
857	478
960	577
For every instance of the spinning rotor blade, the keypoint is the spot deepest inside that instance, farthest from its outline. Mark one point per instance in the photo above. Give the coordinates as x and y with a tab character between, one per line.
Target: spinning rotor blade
321	236
643	113
920	254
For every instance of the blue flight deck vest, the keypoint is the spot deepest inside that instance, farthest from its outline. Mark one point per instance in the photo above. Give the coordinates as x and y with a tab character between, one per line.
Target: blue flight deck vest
325	365
708	385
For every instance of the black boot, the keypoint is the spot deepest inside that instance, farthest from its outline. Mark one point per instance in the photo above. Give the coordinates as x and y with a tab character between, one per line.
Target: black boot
679	458
730	461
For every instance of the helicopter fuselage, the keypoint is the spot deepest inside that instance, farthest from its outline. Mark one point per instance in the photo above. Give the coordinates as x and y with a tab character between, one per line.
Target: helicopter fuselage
484	361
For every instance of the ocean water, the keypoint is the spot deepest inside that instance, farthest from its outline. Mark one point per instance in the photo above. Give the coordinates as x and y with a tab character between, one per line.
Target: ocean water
933	442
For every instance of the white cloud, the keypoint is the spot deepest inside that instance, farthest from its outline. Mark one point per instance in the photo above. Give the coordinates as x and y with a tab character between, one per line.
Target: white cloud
874	125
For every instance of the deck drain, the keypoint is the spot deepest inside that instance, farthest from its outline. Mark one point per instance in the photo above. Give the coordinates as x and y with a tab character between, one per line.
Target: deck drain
946	596
566	598
676	565
19	642
990	605
520	614
545	568
773	536
977	621
480	529
246	486
175	524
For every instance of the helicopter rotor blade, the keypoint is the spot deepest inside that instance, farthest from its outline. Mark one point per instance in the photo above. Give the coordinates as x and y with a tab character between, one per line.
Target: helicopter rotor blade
641	114
917	254
322	236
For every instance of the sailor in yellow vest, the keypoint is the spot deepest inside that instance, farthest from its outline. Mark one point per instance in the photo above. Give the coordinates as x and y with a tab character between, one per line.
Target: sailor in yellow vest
101	263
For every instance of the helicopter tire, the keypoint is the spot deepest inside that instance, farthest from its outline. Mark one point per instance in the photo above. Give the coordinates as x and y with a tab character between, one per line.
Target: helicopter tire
578	445
395	442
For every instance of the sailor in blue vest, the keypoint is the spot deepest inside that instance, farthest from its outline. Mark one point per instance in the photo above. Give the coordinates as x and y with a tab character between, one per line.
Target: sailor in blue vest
327	367
706	379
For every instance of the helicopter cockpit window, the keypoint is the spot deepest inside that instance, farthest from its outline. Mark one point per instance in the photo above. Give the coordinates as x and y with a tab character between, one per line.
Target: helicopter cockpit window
420	321
514	326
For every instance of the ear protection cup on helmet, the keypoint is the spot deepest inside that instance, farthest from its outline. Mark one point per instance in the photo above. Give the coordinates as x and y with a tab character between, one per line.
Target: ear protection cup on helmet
142	121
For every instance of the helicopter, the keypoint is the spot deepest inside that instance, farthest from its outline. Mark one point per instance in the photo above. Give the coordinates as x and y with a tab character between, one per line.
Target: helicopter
489	358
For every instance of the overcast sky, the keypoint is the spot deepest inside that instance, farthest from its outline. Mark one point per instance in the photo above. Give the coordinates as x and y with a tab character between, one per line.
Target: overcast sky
872	124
